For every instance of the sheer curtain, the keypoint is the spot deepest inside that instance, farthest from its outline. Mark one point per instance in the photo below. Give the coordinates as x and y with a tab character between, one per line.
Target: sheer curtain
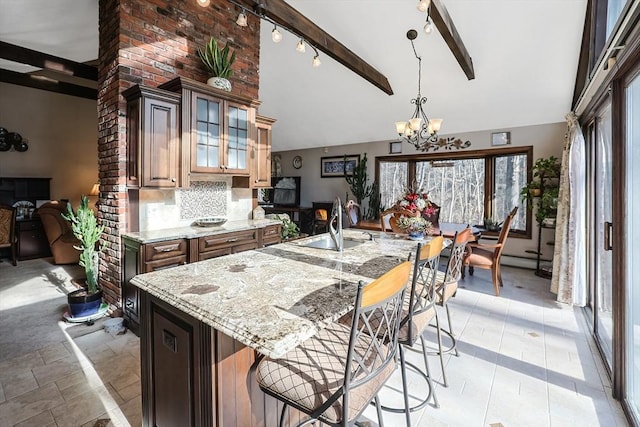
569	258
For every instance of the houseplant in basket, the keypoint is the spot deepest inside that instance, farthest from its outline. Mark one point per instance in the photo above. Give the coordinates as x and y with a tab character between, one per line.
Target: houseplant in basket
86	301
218	62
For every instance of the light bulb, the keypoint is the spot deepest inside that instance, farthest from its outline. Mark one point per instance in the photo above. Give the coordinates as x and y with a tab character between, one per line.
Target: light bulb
242	20
276	35
316	61
428	27
414	124
301	47
423	5
435	124
204	3
400	127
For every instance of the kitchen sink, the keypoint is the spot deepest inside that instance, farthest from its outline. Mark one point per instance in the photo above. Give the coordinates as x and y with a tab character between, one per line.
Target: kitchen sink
325	242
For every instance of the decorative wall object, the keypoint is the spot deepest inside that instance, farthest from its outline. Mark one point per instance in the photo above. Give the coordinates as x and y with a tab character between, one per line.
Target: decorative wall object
337	167
12	141
500	138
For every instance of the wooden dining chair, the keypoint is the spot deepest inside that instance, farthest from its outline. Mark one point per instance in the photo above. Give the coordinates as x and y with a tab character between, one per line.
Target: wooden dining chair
434	218
8	237
389	219
487	256
333	376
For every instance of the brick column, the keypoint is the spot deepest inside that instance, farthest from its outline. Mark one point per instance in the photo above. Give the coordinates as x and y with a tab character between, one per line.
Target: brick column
148	43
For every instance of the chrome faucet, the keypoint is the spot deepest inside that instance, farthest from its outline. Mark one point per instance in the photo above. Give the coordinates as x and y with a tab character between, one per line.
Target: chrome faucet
336	232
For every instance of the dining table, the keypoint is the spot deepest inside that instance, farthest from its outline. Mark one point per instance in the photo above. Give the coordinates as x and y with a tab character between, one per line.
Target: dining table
446	229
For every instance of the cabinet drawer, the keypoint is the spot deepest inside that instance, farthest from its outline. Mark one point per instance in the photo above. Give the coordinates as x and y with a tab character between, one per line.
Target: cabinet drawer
29	225
245	247
164	263
271	231
167	249
217	241
214	253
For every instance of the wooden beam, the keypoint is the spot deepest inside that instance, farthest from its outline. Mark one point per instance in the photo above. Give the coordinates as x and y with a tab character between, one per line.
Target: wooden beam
35	82
444	24
49	62
282	13
582	74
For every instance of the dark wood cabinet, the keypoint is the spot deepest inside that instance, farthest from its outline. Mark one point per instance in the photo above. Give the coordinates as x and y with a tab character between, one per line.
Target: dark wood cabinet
260	157
228	243
153	154
32	240
218	129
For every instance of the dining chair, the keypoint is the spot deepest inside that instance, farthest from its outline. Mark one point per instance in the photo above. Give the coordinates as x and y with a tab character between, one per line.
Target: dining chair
389	219
418	311
8	238
333	376
434	218
487	256
352	209
446	286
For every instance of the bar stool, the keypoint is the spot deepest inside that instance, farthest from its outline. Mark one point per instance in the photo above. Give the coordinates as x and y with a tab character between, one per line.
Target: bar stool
419	308
446	286
333	376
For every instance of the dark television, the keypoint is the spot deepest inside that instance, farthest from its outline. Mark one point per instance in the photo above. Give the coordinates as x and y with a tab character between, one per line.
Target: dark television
285	191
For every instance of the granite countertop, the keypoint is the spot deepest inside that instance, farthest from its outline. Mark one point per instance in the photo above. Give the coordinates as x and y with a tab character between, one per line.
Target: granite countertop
272	299
192	232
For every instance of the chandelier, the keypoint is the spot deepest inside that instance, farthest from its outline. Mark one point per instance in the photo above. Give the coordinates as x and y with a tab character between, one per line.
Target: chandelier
419	130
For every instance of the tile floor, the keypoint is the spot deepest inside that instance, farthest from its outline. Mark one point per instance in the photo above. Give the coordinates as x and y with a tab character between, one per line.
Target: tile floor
525	360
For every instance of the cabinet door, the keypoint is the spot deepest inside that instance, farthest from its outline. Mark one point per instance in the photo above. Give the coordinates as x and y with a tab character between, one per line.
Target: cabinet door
261	154
160	144
206	134
238	130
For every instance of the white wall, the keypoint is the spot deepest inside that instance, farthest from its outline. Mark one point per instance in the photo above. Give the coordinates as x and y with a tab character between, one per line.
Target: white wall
546	140
62	133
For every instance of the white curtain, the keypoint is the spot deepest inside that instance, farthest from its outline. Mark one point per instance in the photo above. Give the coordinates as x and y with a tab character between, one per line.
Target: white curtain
569	280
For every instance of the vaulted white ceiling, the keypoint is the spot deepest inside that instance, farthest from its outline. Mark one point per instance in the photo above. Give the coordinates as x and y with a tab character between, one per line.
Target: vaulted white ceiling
525	55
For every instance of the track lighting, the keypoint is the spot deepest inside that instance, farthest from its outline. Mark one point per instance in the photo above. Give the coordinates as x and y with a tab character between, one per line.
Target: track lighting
242	19
316	61
301	47
276	35
428	26
423	5
203	3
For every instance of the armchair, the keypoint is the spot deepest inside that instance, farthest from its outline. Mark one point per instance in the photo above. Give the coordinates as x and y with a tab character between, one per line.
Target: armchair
59	234
487	256
8	237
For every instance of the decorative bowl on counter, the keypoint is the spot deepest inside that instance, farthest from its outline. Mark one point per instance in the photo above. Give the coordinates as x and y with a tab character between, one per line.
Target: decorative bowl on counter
210	222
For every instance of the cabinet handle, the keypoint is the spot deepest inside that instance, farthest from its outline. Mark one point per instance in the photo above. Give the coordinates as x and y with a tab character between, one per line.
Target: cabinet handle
167	248
608	245
129	303
173	180
234	239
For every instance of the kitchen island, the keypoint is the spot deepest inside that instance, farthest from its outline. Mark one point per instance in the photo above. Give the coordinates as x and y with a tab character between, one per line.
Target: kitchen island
204	325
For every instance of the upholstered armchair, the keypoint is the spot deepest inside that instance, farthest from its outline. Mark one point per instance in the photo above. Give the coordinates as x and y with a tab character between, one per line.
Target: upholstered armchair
59	233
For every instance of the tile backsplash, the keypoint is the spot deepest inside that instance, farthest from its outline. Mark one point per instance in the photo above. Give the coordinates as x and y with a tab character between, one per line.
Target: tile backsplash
160	209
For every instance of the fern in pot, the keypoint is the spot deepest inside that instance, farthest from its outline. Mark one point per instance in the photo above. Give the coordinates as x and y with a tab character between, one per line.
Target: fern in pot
86	301
218	62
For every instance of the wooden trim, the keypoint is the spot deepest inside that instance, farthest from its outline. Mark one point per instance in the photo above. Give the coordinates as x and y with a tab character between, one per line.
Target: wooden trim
447	29
582	73
23	55
32	81
282	13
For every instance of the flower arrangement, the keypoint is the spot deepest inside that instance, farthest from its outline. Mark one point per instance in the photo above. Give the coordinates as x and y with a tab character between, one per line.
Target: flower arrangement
416	202
414	224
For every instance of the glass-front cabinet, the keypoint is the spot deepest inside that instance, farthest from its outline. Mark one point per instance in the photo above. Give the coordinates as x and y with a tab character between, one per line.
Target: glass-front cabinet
218	130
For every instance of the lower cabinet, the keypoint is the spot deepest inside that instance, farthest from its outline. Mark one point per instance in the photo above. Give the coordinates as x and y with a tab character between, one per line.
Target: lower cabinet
141	258
32	241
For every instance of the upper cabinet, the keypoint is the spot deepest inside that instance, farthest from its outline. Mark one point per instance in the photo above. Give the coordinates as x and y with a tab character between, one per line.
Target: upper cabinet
218	130
153	154
259	157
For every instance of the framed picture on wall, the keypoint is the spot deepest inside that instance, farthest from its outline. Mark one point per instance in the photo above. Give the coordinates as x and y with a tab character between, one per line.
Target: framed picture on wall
395	147
337	167
500	138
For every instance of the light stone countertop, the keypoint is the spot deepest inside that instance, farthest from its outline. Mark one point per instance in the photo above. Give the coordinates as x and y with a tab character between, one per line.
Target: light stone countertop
191	232
274	298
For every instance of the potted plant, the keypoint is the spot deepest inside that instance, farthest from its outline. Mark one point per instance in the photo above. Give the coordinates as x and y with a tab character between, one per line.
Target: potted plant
86	301
218	62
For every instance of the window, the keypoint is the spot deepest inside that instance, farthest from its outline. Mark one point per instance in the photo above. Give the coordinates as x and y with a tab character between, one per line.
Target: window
468	186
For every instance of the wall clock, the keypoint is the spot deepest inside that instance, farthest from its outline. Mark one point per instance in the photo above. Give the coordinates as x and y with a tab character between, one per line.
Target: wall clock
297	162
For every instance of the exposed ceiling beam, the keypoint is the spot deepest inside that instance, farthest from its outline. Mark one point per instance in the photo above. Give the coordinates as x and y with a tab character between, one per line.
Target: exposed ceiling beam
38	82
49	62
285	15
444	24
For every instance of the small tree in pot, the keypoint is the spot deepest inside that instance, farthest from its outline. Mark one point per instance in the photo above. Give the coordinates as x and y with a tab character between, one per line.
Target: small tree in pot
84	224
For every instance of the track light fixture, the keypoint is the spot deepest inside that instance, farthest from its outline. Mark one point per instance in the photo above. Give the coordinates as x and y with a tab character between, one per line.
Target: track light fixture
276	35
301	47
242	19
423	5
203	3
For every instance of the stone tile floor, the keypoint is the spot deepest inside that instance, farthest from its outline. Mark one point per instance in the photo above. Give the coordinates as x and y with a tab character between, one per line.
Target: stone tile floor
525	360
